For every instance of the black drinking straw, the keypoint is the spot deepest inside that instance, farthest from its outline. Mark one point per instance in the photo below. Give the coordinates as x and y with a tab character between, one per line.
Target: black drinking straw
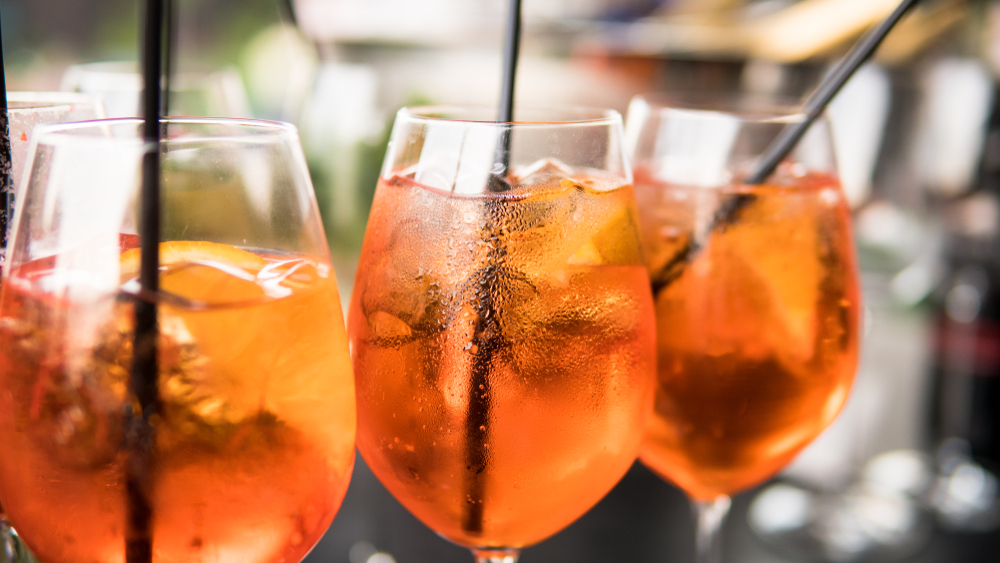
170	10
511	52
820	99
490	283
6	164
785	142
140	439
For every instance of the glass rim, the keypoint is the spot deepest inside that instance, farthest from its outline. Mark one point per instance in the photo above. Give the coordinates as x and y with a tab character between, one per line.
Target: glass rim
29	101
265	129
129	73
748	108
105	66
575	115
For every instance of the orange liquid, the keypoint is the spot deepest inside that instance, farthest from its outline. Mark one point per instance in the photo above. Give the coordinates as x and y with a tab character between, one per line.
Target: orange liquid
757	338
254	444
510	452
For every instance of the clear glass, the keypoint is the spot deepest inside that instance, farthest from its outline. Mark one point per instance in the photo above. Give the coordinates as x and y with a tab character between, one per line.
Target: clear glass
219	93
25	111
756	291
501	324
255	379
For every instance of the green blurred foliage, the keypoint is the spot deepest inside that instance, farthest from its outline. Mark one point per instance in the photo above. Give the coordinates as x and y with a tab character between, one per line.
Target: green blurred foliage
213	32
223	28
345	238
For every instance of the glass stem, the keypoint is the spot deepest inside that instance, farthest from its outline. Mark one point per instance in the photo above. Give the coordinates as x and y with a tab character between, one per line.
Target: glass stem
496	555
8	550
709	516
11	548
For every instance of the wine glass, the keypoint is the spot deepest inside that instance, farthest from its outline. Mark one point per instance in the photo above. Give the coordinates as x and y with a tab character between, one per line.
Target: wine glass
501	324
253	439
25	110
219	93
756	291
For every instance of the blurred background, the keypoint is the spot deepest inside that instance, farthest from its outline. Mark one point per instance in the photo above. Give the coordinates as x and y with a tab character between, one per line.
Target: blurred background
909	471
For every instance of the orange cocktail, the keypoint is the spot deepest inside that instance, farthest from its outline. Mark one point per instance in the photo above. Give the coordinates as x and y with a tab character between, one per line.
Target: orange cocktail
503	351
757	338
255	429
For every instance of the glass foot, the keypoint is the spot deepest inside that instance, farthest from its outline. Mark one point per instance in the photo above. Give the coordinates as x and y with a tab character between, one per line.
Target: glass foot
11	548
859	524
497	555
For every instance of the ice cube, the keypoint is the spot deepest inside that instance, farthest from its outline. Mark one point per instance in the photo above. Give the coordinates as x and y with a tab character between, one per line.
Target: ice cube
595	302
212	381
401	304
77	413
605	233
438	172
553	327
388	330
586	255
184	388
547	171
617	240
78	390
532	232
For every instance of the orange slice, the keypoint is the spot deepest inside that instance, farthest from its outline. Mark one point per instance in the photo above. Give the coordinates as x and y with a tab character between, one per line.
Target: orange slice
204	271
754	290
780	259
177	252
